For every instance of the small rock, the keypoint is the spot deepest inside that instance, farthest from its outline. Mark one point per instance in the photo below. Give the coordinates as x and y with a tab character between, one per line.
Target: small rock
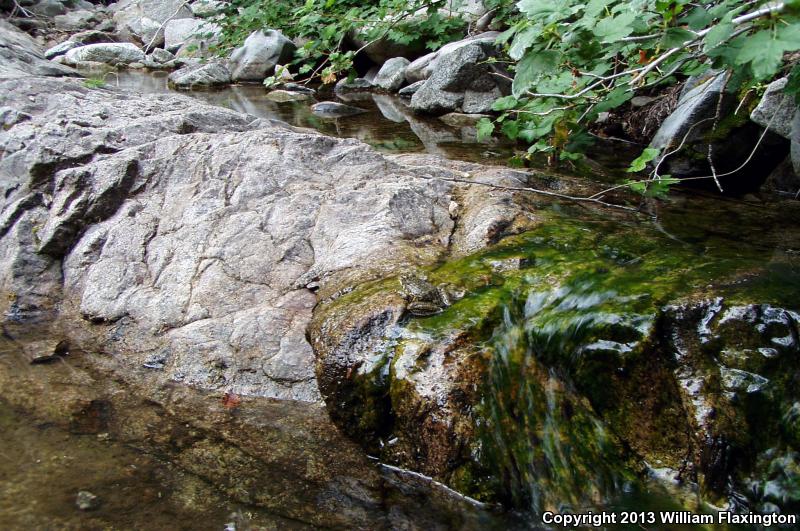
295	87
159	55
75	20
358	84
86	501
178	32
48	8
61	49
331	109
92	36
206	8
282	96
776	109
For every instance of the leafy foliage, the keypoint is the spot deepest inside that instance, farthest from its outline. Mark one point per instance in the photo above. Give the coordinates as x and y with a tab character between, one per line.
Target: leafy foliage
331	29
574	59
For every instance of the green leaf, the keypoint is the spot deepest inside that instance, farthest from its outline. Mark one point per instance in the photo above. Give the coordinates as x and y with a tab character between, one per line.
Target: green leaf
614	28
569	155
641	161
717	34
596	7
698	18
485	128
532	8
531	69
505	103
556	84
659	188
789	35
522	42
615	98
511	129
675	37
764	54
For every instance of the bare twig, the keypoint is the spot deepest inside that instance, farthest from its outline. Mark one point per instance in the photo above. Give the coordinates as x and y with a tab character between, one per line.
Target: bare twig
537	191
717	114
161	27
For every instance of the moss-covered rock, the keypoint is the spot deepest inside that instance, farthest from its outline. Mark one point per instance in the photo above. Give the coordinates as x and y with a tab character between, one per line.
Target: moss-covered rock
585	357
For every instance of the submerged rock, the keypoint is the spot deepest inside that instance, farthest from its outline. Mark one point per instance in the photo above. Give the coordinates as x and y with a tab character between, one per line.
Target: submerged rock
86	501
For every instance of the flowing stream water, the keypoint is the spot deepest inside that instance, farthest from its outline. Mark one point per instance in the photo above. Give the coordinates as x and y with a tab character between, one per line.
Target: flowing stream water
589	288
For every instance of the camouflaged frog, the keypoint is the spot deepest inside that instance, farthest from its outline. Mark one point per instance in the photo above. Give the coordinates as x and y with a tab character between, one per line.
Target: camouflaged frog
422	297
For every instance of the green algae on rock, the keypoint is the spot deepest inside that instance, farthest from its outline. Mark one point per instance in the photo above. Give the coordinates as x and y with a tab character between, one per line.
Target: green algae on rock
581	361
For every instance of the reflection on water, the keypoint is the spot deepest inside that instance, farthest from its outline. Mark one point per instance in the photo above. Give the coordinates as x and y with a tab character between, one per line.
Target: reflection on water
388	125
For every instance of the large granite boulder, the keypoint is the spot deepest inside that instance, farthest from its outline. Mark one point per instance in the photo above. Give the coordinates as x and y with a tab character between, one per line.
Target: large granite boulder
169	236
112	53
392	75
461	81
776	110
78	20
142	21
423	67
20	55
256	58
180	32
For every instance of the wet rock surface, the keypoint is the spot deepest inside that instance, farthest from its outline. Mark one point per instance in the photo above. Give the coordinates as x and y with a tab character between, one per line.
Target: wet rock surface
543	386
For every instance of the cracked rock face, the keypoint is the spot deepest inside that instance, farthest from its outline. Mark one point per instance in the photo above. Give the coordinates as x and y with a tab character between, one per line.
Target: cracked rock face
194	238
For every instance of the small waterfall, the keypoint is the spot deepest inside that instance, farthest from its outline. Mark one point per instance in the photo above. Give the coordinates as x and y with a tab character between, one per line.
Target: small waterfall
551	449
